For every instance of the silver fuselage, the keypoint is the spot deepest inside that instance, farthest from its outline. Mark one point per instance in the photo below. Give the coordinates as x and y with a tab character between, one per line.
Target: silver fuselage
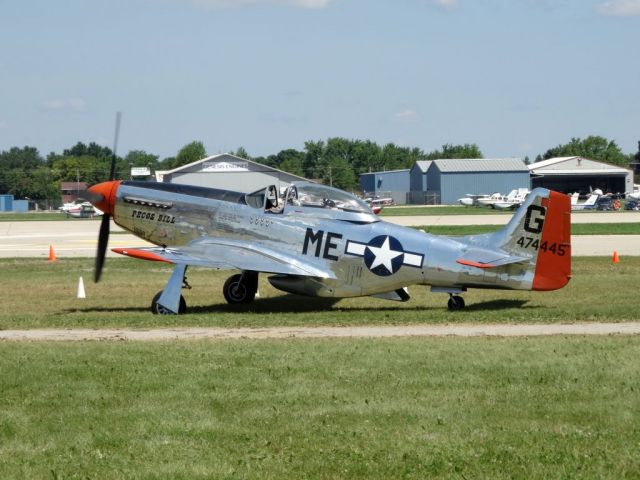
331	239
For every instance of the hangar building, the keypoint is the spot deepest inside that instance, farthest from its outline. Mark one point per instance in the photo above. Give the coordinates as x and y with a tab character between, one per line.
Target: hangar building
394	184
578	174
444	181
228	172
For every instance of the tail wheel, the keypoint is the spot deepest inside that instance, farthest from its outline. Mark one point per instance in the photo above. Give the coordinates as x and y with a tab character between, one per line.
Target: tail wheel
237	290
455	302
158	309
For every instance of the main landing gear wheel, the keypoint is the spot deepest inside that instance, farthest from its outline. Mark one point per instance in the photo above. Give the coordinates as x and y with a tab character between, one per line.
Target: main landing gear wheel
158	309
239	288
455	302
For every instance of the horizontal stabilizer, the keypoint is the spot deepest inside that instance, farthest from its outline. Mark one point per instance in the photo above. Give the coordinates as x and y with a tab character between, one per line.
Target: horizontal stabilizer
481	258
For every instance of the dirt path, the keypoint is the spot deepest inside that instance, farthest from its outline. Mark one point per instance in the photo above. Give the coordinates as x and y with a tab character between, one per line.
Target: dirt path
168	334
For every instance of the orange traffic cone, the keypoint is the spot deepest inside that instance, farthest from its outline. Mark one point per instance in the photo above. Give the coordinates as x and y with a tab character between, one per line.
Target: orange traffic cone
52	255
616	259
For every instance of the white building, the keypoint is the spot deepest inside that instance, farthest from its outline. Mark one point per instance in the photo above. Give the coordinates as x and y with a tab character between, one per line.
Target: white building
228	172
578	174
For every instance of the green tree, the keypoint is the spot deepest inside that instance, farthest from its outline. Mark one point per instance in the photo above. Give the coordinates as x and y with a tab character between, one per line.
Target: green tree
333	164
91	150
339	174
166	163
191	152
593	147
38	185
15	167
366	156
140	158
84	168
242	153
291	160
25	158
468	150
314	152
394	157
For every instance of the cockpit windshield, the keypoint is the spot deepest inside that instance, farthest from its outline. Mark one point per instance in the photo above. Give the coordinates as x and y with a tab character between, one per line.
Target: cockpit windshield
321	196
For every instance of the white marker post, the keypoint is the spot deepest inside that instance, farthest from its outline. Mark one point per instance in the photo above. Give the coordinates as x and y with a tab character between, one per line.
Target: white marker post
81	293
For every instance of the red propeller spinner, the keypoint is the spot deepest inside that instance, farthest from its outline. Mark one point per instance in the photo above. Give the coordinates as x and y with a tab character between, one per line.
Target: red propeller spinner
105	195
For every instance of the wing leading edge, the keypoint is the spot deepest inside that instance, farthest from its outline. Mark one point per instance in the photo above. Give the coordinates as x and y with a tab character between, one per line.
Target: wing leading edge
229	255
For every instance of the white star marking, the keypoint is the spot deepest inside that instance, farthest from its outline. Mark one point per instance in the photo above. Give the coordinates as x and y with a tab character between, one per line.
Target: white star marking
384	255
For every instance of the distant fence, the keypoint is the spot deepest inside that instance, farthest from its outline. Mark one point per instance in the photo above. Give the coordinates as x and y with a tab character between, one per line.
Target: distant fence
423	198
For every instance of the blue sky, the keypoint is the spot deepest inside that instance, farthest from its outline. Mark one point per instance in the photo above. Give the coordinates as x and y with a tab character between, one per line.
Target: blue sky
514	76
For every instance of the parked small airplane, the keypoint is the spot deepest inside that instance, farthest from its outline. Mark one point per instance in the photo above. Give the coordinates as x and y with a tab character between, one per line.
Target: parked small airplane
80	210
635	195
588	204
324	242
471	199
511	201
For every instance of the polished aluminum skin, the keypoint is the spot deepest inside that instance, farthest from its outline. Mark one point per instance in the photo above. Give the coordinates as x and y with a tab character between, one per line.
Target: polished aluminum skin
320	241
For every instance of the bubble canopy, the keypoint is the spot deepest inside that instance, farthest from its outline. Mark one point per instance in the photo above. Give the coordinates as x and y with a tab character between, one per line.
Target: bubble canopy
313	195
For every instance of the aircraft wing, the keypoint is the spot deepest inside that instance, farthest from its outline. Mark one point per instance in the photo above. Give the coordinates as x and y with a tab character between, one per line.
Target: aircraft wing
225	254
484	258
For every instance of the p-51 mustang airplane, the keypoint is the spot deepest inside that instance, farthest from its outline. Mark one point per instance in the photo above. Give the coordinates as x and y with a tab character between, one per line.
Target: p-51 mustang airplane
323	242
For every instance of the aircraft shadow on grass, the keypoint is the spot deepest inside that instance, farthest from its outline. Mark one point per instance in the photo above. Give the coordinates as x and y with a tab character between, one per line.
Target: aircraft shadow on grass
300	304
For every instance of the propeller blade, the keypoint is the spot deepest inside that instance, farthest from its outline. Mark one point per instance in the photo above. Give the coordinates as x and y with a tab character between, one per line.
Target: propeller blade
103	240
91	197
112	172
103	236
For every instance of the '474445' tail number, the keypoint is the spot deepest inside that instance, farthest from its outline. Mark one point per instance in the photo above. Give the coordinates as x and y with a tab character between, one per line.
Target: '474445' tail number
544	246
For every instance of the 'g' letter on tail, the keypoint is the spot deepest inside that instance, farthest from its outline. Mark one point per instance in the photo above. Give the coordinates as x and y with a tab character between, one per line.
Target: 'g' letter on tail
553	266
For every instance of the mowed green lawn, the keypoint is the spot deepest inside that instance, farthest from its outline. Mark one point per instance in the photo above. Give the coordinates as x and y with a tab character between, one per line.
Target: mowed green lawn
40	216
576	229
457	210
36	293
552	407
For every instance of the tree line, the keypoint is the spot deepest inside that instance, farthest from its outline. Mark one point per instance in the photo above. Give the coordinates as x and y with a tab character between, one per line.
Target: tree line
25	173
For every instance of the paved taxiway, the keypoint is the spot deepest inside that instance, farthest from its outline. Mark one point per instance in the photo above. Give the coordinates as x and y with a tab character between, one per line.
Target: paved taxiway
79	238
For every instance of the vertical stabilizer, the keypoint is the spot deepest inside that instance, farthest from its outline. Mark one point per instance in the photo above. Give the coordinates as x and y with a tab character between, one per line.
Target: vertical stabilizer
541	230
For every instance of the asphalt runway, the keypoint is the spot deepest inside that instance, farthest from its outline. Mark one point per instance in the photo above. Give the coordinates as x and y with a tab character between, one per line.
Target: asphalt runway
79	238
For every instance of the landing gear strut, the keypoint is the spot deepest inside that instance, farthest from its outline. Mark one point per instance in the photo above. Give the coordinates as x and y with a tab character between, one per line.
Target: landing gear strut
241	288
160	310
455	302
170	301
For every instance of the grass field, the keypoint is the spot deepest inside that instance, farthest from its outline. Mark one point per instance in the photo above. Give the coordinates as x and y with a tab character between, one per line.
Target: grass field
40	216
454	210
576	229
544	407
36	293
394	408
439	210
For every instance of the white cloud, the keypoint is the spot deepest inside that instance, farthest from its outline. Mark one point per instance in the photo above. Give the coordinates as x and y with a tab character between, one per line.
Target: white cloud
69	104
619	8
405	116
308	4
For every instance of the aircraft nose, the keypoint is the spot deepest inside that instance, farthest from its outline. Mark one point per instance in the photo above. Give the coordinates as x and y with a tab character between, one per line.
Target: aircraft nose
104	195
